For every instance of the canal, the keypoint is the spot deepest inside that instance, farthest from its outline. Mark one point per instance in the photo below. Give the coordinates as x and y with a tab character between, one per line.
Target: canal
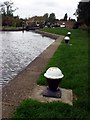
17	50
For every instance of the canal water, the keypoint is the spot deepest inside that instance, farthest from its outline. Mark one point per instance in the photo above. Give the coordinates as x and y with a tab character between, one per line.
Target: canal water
17	50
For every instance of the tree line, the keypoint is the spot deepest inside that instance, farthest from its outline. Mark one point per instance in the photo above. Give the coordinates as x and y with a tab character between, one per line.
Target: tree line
83	14
8	19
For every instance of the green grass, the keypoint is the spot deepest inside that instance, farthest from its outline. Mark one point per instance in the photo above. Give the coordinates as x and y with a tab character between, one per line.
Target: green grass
73	61
58	31
31	109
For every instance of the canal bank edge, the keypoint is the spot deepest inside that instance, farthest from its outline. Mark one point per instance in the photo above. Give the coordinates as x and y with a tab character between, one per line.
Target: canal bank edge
21	86
46	34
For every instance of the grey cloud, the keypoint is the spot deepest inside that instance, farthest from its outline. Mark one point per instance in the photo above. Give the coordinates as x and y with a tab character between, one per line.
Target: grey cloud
46	3
85	0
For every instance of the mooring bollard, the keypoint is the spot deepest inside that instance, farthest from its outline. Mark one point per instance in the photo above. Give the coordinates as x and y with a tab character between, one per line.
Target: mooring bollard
67	39
53	76
68	34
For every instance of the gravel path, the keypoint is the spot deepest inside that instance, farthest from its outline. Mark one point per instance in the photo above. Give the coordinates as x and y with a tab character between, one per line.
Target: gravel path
21	87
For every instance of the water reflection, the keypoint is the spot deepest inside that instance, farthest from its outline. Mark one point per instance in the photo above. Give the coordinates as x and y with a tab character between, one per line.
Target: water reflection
18	50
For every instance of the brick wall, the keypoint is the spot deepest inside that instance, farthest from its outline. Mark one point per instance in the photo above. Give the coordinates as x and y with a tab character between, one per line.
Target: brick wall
69	24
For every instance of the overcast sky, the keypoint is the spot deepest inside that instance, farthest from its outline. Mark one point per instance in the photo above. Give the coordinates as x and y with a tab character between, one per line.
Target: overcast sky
29	8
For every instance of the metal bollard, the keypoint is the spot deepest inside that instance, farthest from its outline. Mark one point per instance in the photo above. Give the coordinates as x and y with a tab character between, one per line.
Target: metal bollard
53	76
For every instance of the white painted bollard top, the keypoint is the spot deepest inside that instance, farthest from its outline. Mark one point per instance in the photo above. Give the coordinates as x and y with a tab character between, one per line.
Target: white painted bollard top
66	38
54	73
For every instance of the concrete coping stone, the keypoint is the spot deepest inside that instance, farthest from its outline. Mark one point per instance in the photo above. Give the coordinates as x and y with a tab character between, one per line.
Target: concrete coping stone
66	97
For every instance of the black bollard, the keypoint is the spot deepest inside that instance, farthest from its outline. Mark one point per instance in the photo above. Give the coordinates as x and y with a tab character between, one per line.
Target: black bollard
53	76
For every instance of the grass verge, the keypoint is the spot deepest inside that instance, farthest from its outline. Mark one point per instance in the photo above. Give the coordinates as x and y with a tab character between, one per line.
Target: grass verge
73	61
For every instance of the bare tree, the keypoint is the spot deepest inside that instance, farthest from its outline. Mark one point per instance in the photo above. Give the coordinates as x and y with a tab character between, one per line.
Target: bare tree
6	8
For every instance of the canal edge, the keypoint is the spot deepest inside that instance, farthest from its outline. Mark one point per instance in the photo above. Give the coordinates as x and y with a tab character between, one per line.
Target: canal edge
17	90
